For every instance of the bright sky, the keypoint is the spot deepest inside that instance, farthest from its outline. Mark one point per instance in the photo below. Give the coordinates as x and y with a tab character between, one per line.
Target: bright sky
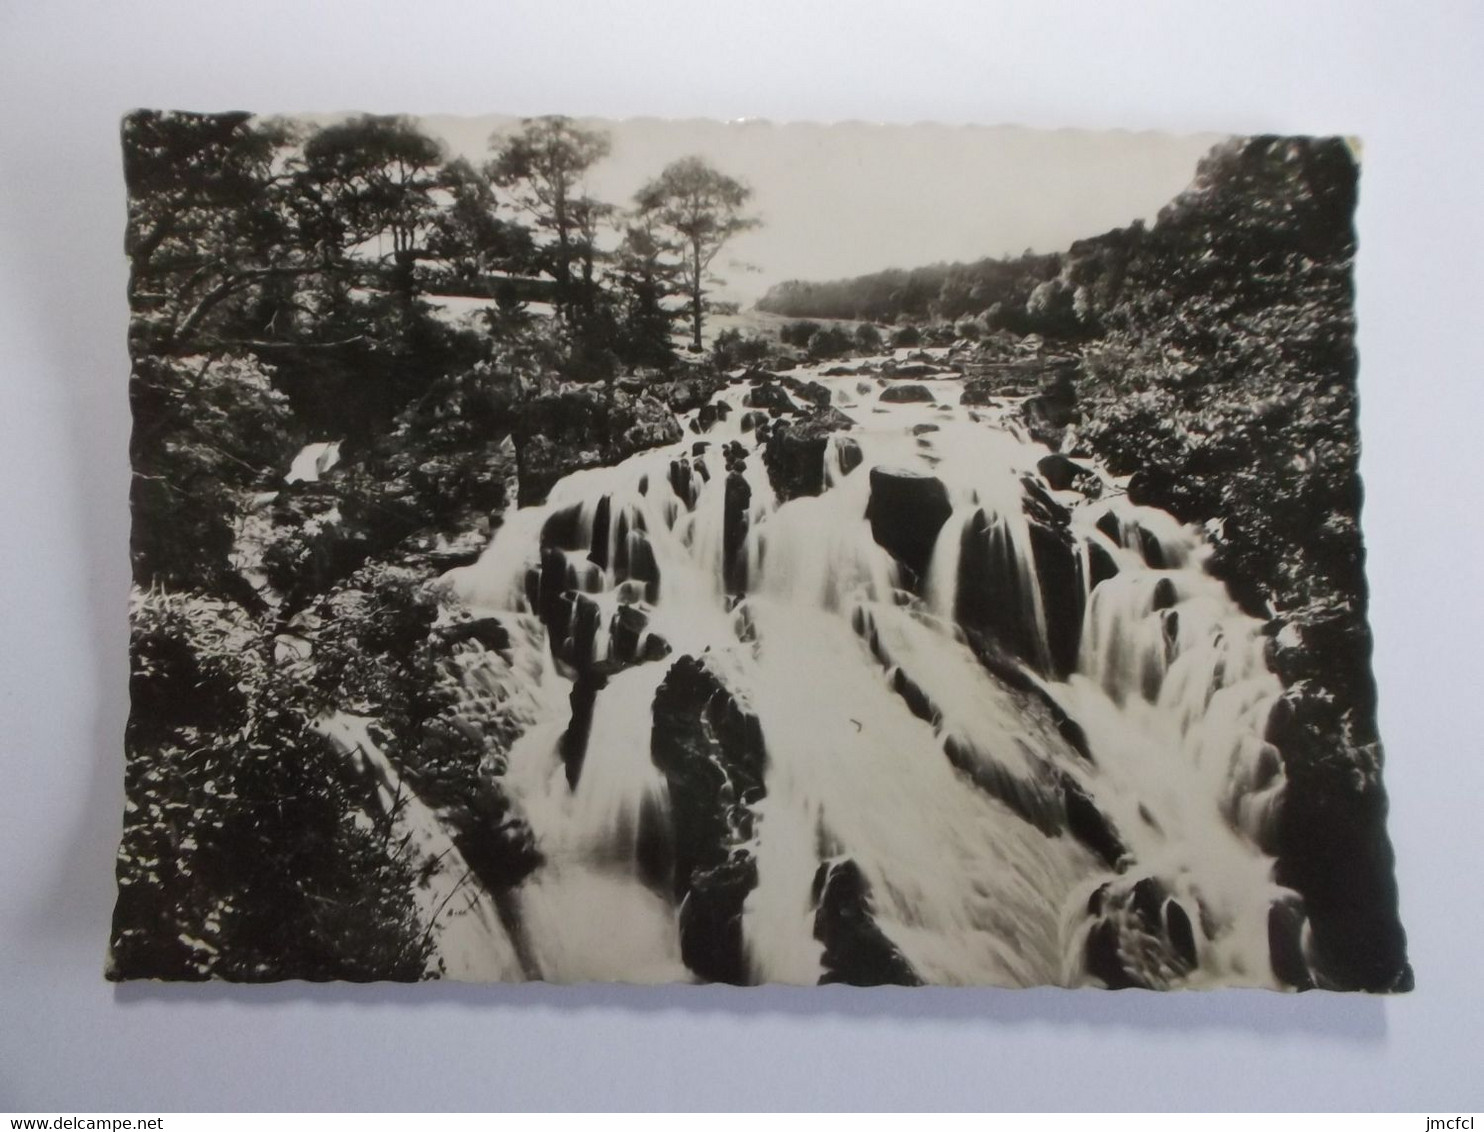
843	200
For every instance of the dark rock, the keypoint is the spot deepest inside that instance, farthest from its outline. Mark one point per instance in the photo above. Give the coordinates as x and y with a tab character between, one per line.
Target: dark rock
734	531
1060	472
1180	933
915	698
642	566
630	641
753	419
850	454
916	369
573	744
1100	563
905	394
1039	507
711	753
1104	960
488	631
682	483
923	429
794	455
769	396
907	510
993	598
1059	574
979	391
563	529
856	950
699	446
1090	825
812	391
602	528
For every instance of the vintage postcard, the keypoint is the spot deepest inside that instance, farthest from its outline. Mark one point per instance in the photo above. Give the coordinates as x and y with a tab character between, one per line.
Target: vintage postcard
682	551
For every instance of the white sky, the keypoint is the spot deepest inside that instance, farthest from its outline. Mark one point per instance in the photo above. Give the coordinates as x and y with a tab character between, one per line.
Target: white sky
846	199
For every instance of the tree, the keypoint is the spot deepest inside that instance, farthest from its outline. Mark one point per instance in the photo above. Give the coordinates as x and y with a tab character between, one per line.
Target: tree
206	221
646	275
543	164
470	238
702	207
370	179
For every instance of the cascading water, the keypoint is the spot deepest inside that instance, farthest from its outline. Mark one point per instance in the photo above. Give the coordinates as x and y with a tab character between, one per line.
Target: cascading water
1008	735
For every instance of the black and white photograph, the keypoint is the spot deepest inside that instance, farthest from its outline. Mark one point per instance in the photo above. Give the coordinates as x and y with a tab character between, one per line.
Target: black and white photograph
684	551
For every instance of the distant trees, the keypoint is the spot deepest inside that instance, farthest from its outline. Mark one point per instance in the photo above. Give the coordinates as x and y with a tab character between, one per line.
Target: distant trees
700	208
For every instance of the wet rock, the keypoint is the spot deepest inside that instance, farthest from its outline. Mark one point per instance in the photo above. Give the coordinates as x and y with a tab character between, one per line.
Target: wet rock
1059	575
915	698
602	528
1180	932
641	565
753	419
735	507
813	392
1090	825
573	744
856	951
907	510
910	393
994	595
914	369
979	391
769	396
1059	471
710	750
1101	565
488	631
687	394
1104	960
794	455
850	454
682	483
630	640
564	529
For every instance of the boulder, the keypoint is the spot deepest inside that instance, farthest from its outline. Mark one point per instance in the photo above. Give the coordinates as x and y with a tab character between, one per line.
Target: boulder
735	509
909	393
856	951
794	455
850	454
1059	471
907	510
1059	575
710	750
769	396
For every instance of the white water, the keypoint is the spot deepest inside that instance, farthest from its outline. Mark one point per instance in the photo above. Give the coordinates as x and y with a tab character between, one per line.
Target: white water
972	873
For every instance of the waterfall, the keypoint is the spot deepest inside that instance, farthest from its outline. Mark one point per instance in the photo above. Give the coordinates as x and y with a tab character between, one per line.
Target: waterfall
990	733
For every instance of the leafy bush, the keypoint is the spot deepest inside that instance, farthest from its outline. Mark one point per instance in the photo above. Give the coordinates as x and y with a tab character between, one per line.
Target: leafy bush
868	338
798	333
830	342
